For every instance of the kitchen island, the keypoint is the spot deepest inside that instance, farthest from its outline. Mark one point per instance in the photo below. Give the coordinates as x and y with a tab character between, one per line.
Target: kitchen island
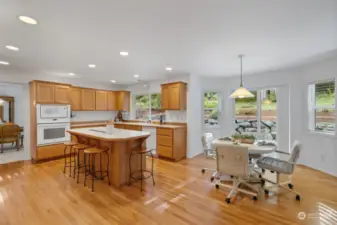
120	143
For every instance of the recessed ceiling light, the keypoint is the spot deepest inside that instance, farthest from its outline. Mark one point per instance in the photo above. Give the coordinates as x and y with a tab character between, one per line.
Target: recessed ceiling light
124	53
92	65
168	68
112	81
28	20
71	74
4	63
10	47
136	75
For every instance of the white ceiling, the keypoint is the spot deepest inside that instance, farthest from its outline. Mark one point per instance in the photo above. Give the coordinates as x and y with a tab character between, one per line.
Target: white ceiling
200	37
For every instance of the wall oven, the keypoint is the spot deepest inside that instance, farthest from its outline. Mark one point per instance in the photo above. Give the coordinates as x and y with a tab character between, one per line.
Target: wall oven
52	133
53	121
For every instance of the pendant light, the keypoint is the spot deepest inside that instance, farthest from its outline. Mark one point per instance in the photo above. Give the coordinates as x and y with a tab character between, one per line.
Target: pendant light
241	92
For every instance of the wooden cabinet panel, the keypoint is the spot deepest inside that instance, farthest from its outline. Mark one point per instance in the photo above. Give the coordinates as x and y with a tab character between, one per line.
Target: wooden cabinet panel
112	100
45	93
164	151
101	100
62	94
75	99
88	99
174	100
173	96
123	100
50	151
119	126
165	97
164	132
164	140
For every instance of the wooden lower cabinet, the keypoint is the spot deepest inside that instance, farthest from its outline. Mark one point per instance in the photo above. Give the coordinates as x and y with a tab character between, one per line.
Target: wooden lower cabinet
119	126
171	143
49	152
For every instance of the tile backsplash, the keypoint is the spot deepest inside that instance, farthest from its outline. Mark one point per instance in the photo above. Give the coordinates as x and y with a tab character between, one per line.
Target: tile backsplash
92	115
175	116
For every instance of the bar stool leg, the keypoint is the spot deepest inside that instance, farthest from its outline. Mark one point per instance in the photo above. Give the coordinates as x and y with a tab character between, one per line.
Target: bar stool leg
85	170
70	162
65	158
93	173
78	166
130	173
75	164
152	170
107	170
141	172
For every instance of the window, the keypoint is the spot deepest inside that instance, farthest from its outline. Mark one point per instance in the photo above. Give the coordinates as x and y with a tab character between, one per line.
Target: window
257	115
142	106
211	108
148	106
321	106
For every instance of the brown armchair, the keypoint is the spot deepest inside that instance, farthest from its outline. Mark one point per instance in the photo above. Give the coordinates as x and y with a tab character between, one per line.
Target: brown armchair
9	133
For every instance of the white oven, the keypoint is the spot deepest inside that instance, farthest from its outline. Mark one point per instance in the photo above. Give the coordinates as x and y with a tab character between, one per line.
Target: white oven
52	113
52	133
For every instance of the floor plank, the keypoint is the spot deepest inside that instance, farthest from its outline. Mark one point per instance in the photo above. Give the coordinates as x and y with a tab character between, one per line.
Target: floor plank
41	194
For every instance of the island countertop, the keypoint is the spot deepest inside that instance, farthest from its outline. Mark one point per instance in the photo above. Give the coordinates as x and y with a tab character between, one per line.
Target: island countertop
104	134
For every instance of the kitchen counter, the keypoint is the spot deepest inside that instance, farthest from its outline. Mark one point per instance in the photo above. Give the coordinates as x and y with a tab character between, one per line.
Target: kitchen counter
119	143
103	134
150	125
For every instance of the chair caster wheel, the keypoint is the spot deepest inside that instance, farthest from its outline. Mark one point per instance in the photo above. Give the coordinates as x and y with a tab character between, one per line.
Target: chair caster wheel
272	171
217	186
260	176
203	171
232	176
212	179
290	186
228	200
263	170
263	182
254	198
298	198
266	192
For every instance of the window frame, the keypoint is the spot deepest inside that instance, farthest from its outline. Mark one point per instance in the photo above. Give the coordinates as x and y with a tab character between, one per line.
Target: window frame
219	108
149	94
311	108
259	108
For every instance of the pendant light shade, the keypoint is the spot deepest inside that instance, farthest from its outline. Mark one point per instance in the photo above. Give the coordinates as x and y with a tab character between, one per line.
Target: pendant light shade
241	92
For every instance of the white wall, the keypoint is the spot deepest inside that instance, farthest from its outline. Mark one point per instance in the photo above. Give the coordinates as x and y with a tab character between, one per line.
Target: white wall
16	91
319	151
92	115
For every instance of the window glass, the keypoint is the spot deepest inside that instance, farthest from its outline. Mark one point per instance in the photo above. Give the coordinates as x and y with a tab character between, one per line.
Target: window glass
268	113
156	106
246	114
142	105
211	108
321	102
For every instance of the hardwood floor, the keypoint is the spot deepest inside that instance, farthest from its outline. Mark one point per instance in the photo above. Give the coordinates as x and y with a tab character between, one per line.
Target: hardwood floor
42	194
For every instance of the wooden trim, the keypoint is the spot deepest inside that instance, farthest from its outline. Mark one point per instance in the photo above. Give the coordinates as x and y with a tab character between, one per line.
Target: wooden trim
33	125
176	82
49	82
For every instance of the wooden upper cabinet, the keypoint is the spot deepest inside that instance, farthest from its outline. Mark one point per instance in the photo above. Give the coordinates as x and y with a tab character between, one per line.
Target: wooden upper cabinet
123	100
112	100
101	100
45	93
75	99
61	94
165	97
88	99
174	96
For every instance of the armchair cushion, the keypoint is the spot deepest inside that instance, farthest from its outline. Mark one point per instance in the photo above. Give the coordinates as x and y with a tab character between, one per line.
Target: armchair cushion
276	165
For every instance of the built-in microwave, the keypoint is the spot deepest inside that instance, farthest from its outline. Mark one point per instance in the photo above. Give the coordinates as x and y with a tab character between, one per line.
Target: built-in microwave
52	133
52	113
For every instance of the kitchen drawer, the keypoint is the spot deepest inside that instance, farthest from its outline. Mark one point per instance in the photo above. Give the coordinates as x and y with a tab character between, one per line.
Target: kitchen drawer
139	128
164	140
164	132
164	151
119	126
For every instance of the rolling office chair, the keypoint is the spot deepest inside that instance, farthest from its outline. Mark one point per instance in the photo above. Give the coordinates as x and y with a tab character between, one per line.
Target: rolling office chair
281	167
206	140
234	160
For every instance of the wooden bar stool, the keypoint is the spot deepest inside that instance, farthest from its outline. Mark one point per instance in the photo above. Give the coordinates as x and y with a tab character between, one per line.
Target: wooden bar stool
90	169
68	146
141	171
78	163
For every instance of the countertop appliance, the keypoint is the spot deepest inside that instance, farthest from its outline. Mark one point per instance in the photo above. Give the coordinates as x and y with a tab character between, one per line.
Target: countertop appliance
53	121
